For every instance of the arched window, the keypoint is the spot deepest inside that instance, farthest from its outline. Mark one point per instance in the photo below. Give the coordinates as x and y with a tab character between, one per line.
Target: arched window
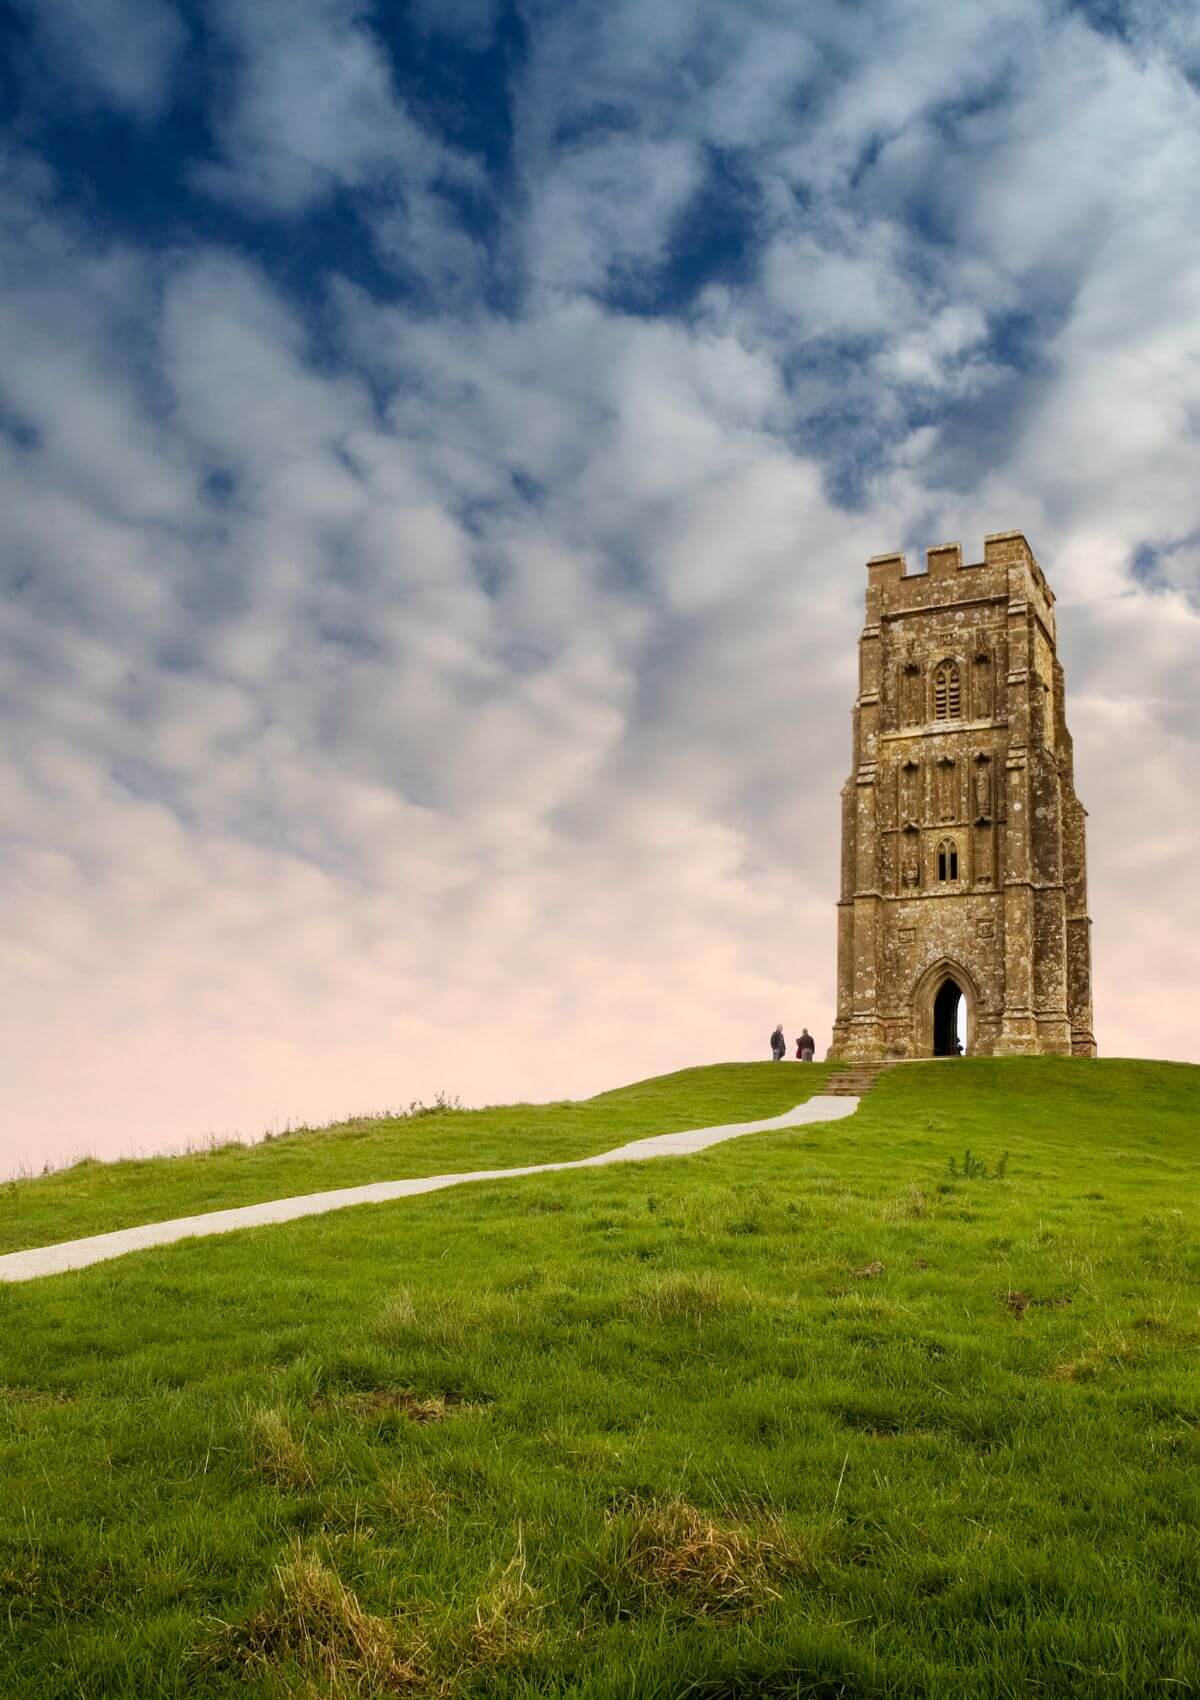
947	859
947	692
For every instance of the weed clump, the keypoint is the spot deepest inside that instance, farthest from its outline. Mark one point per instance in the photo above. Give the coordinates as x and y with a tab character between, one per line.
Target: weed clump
438	1324
444	1103
975	1169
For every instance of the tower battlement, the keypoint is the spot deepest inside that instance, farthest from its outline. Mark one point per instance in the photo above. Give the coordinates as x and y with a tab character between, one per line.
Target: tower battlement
963	861
1009	566
1000	549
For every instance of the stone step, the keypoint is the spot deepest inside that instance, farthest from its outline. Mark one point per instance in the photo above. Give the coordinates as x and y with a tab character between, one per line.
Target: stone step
853	1082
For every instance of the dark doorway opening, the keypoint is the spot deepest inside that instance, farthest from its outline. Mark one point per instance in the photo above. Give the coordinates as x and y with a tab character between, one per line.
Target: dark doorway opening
946	1008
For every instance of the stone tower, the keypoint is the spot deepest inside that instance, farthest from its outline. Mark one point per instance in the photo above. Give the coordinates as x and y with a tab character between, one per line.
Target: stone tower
963	870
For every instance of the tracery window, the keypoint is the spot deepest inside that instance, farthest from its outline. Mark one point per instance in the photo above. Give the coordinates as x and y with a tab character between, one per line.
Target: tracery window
947	692
947	857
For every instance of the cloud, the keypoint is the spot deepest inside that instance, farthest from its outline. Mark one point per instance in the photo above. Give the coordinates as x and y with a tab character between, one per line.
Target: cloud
309	108
311	112
119	53
586	232
413	684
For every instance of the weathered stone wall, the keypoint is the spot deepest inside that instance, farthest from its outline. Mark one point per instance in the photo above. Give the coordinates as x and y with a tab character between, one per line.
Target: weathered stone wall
962	837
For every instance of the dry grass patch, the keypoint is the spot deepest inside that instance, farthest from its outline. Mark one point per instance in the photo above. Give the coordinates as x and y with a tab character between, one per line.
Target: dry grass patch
1113	1353
506	1623
275	1451
440	1323
674	1551
912	1205
1018	1303
413	1504
21	1575
35	1396
314	1627
681	1298
433	1408
400	1311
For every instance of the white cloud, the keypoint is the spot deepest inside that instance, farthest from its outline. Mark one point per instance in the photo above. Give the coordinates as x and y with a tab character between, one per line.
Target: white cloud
480	727
587	230
310	106
311	111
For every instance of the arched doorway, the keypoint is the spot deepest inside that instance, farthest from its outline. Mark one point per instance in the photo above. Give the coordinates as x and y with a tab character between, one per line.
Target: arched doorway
949	1020
945	1008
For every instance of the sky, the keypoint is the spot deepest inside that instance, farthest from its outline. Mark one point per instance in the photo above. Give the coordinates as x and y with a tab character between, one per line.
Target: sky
439	448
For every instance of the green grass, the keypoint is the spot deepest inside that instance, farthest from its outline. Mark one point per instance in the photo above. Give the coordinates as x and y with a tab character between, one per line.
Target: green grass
93	1197
798	1416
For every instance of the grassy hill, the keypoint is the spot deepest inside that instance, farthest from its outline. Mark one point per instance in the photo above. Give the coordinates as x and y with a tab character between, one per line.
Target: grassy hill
93	1197
805	1414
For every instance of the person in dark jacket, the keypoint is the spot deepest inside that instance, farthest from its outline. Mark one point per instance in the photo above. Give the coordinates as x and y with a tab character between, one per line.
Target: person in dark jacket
806	1047
778	1044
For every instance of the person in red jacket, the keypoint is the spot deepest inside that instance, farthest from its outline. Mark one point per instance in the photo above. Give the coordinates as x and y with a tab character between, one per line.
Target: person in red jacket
806	1047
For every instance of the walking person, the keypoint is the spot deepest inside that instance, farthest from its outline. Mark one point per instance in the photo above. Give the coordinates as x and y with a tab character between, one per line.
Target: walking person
806	1047
778	1044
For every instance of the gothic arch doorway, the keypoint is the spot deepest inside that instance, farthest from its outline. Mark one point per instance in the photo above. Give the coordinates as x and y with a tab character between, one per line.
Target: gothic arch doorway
944	1006
947	1006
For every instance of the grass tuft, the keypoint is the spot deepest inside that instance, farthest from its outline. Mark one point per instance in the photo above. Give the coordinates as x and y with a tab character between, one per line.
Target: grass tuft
505	1629
22	1574
275	1453
1112	1353
671	1552
911	1206
314	1626
688	1299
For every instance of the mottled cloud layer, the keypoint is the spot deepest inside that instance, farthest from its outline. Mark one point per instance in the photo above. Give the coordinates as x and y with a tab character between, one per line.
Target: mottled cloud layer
436	489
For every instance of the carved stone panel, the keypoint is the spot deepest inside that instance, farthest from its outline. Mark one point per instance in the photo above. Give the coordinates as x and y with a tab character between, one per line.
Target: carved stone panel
981	685
910	693
984	837
981	788
910	859
910	793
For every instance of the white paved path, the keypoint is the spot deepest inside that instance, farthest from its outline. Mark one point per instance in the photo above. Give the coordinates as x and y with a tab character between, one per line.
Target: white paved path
77	1254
